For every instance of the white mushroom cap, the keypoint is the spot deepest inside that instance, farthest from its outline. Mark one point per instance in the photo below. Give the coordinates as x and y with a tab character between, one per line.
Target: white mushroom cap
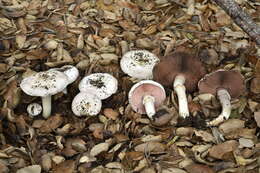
139	64
71	71
86	103
104	84
44	83
34	109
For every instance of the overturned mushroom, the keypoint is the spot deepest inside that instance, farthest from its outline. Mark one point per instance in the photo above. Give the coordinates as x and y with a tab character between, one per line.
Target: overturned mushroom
34	109
183	71
145	96
45	84
103	84
86	103
226	85
139	64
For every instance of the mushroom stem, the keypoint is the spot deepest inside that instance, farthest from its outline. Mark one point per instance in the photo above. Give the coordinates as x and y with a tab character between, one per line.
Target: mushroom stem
224	99
46	105
180	90
148	102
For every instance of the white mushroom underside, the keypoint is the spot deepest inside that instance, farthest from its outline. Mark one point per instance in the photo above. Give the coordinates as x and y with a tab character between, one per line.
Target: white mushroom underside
224	98
103	84
180	90
148	101
139	64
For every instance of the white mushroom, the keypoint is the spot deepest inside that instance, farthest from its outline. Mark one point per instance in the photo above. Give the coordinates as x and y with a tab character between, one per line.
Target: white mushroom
45	84
34	109
139	64
86	103
71	71
103	84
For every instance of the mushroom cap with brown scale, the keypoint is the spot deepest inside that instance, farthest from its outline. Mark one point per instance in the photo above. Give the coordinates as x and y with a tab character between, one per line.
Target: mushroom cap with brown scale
232	81
179	63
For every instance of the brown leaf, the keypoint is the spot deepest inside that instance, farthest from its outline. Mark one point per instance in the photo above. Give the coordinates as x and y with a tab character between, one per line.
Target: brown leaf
257	118
110	113
219	151
255	85
51	123
36	54
3	68
67	166
150	147
199	168
13	94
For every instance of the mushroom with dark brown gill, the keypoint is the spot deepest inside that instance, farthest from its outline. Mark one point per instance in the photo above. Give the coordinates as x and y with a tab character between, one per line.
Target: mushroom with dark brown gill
226	85
181	70
145	96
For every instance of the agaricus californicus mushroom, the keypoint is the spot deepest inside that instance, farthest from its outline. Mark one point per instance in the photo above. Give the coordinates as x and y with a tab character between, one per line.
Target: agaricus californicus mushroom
225	85
181	70
104	84
45	84
34	109
139	64
71	71
86	103
145	96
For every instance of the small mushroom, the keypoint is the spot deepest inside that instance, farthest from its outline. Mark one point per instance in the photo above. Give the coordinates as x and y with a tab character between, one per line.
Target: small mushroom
71	71
86	103
139	64
34	109
182	70
145	96
45	84
103	84
226	85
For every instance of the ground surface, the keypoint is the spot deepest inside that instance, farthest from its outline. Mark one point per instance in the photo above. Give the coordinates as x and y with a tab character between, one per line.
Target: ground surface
37	35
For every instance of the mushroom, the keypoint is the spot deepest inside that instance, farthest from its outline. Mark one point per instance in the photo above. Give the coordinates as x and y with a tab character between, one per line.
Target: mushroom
86	103
183	71
104	84
34	109
226	85
71	71
145	96
139	64
45	84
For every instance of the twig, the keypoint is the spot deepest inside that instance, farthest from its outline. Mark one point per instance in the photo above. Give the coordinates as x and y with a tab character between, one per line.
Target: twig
241	18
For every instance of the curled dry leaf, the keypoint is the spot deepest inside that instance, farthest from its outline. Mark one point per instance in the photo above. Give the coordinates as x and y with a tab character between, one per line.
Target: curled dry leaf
150	147
33	169
198	168
221	151
68	166
51	123
99	148
231	125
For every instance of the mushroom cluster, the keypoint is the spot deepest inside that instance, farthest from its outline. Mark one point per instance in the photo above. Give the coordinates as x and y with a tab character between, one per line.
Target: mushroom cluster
47	83
181	70
93	89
